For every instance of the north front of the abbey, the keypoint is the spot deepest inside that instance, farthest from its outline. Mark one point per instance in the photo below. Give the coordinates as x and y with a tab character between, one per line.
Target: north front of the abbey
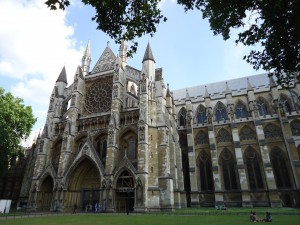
118	138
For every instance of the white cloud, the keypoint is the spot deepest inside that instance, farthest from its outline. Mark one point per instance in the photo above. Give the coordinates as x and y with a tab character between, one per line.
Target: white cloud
35	44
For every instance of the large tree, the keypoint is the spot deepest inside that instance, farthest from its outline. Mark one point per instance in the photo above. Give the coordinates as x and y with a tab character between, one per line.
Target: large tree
272	24
16	121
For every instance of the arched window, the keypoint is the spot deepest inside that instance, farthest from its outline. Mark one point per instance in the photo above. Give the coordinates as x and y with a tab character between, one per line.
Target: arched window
262	107
223	136
182	117
286	102
252	160
247	133
131	151
229	170
281	173
102	150
206	176
201	115
272	132
201	138
241	110
221	112
295	126
129	145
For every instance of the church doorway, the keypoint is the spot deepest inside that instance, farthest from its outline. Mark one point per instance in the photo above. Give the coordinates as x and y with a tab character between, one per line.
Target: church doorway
46	193
125	193
84	186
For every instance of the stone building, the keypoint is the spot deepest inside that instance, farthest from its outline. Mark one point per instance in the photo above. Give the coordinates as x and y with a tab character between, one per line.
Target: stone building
118	137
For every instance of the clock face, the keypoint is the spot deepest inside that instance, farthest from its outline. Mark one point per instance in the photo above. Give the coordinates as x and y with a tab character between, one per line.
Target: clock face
98	97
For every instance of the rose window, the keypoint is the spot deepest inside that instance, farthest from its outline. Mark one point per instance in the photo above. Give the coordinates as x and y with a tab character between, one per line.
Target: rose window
98	98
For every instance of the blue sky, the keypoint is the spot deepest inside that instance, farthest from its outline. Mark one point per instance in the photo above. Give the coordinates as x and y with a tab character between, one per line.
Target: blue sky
35	44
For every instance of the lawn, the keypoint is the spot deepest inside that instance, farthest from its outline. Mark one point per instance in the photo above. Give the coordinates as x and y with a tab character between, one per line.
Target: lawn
116	219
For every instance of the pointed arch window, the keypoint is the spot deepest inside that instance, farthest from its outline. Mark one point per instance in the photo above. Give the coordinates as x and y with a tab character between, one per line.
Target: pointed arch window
272	132
262	107
279	165
252	160
247	134
286	102
102	150
241	110
206	176
182	117
201	138
295	126
201	115
223	136
221	112
229	170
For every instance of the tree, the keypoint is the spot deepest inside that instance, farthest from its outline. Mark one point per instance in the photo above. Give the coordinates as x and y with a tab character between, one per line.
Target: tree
272	24
16	121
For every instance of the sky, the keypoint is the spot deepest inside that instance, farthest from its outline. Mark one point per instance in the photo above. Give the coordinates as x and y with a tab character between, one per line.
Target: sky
36	43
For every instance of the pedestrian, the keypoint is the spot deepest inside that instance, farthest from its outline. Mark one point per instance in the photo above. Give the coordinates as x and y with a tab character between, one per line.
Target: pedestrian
75	207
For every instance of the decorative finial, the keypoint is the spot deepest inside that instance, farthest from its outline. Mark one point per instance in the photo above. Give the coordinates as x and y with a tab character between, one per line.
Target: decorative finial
107	43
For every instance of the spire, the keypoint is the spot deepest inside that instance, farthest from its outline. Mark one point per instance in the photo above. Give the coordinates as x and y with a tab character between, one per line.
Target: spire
123	51
168	91
87	52
148	54
249	86
206	95
63	76
187	97
86	59
227	89
272	82
79	72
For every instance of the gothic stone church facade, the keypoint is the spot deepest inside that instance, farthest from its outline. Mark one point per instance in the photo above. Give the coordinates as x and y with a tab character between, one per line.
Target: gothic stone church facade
118	137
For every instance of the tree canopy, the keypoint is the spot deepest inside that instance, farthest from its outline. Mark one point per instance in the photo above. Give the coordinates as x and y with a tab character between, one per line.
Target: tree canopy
16	121
274	25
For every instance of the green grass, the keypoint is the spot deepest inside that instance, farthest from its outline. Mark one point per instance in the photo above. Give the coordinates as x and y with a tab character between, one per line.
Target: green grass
115	219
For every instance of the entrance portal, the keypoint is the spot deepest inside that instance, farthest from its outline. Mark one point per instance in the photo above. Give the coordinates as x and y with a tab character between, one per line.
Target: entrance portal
125	198
46	194
84	187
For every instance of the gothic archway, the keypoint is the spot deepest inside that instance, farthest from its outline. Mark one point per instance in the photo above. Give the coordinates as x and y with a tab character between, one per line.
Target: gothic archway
84	186
125	192
46	194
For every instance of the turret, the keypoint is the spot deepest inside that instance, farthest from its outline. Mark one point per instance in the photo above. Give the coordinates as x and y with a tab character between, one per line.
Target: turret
149	64
61	82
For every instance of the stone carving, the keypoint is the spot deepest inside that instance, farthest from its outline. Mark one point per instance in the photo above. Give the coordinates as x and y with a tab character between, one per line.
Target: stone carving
209	117
143	83
75	82
141	133
116	91
41	146
51	102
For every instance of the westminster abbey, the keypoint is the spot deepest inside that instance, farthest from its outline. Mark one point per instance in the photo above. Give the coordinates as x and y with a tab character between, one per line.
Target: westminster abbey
120	139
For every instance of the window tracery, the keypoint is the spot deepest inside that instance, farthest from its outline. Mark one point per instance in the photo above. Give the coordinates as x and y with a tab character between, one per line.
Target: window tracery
281	173
262	107
241	110
56	155
206	176
98	97
201	115
223	136
285	101
221	112
201	138
229	170
182	117
247	134
272	132
252	160
295	126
